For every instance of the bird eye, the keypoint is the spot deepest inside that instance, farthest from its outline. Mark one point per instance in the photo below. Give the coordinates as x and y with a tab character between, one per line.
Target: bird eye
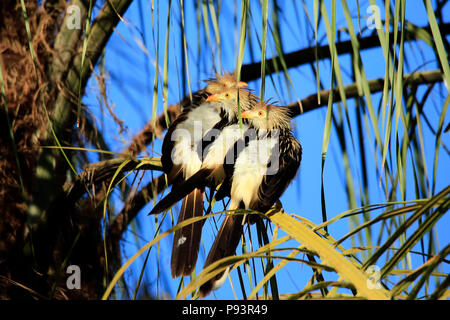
260	113
226	95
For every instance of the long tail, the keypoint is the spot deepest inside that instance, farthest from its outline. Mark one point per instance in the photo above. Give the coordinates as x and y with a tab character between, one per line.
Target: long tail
186	241
182	190
224	245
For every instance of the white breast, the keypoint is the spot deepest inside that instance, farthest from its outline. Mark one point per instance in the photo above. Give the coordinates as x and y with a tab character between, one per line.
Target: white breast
250	168
201	119
188	137
224	141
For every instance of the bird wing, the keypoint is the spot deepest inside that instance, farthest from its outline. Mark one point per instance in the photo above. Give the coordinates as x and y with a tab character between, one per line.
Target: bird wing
273	185
230	160
187	106
212	134
181	190
168	144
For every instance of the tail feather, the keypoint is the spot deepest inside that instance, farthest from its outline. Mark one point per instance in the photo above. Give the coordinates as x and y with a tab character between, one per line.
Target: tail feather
182	190
224	245
186	241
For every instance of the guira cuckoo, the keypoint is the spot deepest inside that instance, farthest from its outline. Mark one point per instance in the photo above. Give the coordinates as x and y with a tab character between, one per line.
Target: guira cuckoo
181	159
260	174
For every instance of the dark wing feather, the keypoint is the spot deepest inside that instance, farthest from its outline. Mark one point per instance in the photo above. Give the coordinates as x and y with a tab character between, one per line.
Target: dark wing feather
186	107
181	190
197	99
168	143
211	135
273	185
228	166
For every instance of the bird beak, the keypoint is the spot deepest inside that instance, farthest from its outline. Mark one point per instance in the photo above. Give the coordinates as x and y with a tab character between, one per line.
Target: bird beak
246	115
212	97
242	84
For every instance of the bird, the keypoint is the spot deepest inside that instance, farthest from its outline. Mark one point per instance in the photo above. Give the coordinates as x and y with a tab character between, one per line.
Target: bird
256	179
216	143
180	160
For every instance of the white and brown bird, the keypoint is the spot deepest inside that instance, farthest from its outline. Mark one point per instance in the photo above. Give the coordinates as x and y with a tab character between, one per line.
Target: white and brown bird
181	159
215	145
256	179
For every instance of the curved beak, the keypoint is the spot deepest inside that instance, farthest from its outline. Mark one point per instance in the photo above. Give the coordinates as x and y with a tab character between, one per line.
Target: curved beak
212	97
242	84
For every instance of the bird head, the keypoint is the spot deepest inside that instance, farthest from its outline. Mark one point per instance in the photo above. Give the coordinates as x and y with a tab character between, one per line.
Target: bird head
268	116
228	98
223	82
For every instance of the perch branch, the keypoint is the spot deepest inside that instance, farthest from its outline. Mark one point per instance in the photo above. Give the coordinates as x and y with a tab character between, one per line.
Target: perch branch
102	28
98	172
252	71
135	203
351	91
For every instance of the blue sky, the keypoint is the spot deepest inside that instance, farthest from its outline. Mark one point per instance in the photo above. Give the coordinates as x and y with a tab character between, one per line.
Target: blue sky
130	71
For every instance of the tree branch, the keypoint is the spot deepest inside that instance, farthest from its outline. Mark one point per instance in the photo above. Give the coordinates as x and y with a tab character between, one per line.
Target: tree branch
51	163
252	71
65	46
146	135
351	91
135	203
101	30
96	173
